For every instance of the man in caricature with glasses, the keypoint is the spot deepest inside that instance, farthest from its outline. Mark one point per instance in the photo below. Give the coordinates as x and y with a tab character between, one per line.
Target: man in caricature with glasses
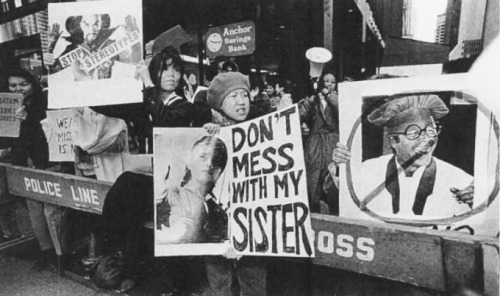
410	181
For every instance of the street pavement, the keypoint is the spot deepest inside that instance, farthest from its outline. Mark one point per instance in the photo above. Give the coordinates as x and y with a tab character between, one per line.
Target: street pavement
17	278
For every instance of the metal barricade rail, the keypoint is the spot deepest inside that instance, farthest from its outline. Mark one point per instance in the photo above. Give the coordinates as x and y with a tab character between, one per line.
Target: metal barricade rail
437	260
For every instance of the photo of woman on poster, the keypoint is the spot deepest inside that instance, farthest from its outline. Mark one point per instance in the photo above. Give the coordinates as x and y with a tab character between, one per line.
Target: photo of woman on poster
184	211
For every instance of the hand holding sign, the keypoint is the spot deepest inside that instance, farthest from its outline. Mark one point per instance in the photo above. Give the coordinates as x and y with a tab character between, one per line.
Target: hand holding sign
21	113
341	154
142	72
212	129
465	195
231	252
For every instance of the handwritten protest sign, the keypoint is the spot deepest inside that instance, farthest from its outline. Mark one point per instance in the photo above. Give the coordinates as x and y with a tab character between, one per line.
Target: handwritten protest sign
257	202
98	66
393	176
9	124
59	135
269	207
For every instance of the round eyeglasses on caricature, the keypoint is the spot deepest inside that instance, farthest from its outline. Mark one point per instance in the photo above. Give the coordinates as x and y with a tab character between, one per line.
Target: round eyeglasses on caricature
413	131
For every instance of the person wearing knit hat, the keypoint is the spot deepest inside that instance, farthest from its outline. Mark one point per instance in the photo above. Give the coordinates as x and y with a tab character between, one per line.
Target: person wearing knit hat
229	98
410	181
229	95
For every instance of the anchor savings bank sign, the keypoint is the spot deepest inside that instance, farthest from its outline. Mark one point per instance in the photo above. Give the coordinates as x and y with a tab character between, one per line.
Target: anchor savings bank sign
231	40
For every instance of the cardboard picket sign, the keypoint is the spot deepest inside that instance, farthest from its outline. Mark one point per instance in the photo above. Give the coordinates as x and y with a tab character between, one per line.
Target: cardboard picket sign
58	131
9	123
258	202
465	153
98	68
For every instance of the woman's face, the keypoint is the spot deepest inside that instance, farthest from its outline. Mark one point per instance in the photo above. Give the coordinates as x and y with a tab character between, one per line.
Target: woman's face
329	81
269	90
170	77
236	105
20	85
200	163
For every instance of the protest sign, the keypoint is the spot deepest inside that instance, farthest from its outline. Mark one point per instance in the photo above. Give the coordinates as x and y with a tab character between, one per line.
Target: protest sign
231	40
258	199
9	123
58	131
460	152
96	53
269	206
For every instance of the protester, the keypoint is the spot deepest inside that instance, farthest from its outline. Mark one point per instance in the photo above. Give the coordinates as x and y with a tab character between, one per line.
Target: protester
283	97
415	182
163	101
229	97
270	90
165	92
47	221
320	113
259	101
187	215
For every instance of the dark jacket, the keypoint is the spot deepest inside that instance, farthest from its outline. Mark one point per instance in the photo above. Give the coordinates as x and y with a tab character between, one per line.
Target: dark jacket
177	113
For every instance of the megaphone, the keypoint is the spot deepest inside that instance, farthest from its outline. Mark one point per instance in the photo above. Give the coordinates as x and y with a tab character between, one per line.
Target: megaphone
318	57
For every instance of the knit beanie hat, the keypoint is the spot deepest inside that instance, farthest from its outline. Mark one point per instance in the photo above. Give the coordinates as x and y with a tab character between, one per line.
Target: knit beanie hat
223	84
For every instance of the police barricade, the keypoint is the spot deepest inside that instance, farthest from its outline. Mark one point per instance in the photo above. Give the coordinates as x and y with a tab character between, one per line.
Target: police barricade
436	260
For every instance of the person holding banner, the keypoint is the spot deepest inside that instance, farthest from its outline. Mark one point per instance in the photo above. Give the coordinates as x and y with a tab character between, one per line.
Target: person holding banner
229	98
47	221
410	181
320	113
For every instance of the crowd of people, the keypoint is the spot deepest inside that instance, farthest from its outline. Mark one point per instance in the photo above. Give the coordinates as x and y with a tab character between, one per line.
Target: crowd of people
230	99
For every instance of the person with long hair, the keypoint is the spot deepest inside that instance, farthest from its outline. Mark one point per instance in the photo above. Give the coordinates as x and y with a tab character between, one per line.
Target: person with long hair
165	91
47	221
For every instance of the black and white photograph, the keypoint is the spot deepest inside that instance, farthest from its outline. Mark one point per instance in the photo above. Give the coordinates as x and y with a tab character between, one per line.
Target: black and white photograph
253	148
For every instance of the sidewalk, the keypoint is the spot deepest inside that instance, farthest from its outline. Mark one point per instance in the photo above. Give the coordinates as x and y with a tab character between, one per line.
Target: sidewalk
177	276
17	278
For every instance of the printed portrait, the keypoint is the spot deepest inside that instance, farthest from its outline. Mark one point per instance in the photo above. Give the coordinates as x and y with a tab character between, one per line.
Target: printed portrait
423	153
189	167
96	47
420	149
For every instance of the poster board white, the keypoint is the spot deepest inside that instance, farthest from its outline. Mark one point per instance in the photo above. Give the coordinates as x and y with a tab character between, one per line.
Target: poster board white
363	188
59	133
99	44
9	123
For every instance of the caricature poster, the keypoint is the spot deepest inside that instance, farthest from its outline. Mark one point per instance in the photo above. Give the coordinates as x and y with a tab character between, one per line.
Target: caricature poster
95	55
423	153
244	188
